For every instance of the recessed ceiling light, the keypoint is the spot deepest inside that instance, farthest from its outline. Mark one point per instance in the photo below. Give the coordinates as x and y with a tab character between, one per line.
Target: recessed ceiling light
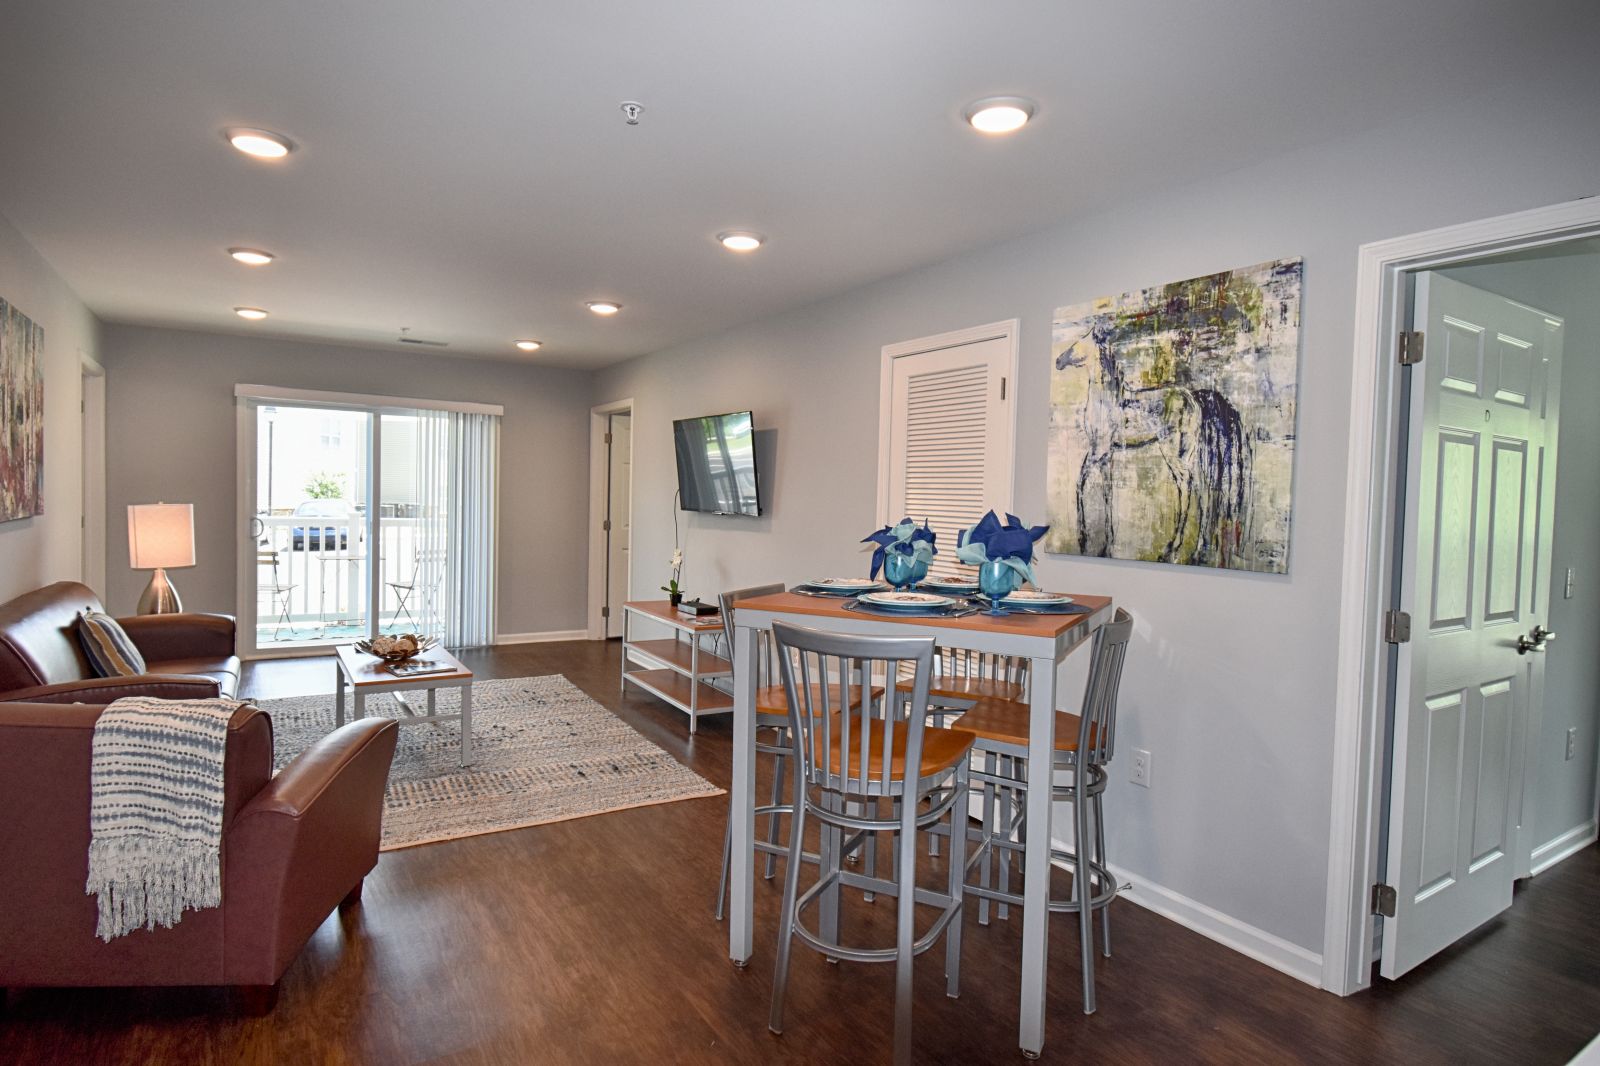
999	114
252	313
604	307
741	240
252	256
529	346
263	144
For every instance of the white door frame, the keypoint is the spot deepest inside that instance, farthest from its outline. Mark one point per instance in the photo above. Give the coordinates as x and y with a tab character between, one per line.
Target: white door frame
1362	678
599	423
1007	331
92	408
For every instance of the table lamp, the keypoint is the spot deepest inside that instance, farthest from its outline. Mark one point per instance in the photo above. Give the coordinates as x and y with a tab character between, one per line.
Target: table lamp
160	535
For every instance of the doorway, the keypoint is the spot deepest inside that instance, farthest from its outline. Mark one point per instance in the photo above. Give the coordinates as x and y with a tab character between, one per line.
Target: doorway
1464	551
610	516
362	515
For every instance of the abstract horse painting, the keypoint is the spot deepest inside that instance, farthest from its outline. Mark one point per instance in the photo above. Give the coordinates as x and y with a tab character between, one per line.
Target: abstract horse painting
22	399
1172	421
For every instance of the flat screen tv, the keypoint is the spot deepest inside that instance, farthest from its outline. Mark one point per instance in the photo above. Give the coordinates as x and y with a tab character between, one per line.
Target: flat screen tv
717	464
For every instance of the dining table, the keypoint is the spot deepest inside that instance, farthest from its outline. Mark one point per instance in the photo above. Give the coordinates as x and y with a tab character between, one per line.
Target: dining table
1045	640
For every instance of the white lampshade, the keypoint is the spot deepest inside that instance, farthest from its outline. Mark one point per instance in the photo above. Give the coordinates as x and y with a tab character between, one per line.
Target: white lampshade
160	535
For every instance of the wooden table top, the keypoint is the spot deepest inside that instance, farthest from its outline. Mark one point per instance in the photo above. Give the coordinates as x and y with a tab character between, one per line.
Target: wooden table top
663	610
369	671
1029	625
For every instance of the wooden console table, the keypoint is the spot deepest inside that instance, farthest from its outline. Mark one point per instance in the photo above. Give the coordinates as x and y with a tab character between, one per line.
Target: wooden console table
675	668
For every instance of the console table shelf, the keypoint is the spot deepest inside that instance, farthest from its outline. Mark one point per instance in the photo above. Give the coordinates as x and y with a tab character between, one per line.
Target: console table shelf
675	669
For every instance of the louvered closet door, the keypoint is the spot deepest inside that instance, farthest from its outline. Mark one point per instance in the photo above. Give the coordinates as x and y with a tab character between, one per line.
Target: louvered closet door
950	441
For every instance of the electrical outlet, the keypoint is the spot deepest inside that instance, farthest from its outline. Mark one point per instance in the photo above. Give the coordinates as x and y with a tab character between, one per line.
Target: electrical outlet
1569	582
1572	742
1141	768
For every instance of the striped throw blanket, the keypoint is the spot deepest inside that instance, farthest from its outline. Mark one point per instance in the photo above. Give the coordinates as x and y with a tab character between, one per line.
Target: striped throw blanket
155	813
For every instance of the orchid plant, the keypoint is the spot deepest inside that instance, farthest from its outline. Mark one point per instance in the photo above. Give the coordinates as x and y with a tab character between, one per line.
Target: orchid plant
906	538
671	587
989	541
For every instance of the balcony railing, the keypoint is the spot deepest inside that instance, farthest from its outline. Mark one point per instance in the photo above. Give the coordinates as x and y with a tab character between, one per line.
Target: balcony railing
311	579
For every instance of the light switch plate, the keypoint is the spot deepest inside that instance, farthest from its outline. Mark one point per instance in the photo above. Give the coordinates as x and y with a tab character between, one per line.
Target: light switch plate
1572	742
1569	583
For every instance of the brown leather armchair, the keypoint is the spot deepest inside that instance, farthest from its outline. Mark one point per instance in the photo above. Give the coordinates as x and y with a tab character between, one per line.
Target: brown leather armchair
293	847
187	656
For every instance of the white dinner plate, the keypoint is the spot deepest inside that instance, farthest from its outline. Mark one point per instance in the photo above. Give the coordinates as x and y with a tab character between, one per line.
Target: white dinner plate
844	583
907	600
1035	598
949	586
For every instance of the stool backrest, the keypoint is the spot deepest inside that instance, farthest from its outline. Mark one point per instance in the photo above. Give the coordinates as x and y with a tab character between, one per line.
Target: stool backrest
828	679
766	664
986	665
1097	730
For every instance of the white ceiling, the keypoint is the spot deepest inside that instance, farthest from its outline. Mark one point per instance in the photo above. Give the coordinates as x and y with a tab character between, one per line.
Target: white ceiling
464	169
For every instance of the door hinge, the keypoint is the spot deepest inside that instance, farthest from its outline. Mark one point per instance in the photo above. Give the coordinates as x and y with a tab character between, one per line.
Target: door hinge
606	525
1002	388
608	438
605	612
1384	899
1396	627
1410	347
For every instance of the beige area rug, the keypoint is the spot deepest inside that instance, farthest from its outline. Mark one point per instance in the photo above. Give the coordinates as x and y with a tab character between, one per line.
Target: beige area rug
542	752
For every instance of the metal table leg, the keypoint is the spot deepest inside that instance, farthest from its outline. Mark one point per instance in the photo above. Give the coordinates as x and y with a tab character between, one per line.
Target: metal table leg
1036	857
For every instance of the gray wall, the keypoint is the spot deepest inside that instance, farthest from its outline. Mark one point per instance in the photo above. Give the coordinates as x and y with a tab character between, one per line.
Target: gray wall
1231	680
171	421
1569	286
36	551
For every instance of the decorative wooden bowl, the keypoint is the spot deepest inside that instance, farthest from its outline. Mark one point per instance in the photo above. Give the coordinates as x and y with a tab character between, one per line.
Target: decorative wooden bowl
397	648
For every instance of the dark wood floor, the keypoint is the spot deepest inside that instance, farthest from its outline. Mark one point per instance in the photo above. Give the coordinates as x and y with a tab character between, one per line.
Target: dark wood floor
592	941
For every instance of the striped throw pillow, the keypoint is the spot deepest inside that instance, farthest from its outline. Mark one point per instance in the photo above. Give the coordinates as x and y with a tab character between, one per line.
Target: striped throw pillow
108	646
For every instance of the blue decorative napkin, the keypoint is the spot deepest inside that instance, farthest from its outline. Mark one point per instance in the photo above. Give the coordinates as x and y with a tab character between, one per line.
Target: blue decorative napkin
1011	543
906	538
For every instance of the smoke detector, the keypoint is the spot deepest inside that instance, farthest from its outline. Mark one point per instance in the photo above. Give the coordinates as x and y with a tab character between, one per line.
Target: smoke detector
631	110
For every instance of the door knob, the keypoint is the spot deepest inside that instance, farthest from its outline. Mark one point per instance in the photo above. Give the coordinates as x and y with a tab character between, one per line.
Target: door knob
1535	640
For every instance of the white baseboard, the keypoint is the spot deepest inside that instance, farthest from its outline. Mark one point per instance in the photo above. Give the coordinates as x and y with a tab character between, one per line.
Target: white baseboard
542	638
1564	846
1258	944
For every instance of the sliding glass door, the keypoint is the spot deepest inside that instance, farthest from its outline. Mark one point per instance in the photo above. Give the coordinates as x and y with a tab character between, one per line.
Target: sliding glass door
310	524
364	518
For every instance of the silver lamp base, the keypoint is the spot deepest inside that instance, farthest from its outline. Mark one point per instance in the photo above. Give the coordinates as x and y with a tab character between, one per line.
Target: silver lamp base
159	596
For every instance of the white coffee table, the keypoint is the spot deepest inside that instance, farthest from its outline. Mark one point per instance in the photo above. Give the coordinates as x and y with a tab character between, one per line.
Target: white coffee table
367	673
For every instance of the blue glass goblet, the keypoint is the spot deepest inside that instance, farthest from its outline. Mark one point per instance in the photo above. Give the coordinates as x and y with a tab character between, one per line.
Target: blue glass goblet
903	571
996	580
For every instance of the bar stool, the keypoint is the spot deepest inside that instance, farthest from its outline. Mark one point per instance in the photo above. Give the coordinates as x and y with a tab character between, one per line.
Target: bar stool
772	716
1084	746
848	762
961	677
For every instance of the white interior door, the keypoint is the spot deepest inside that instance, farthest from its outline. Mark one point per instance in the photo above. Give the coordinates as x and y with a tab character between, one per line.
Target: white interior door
949	439
1478	515
619	530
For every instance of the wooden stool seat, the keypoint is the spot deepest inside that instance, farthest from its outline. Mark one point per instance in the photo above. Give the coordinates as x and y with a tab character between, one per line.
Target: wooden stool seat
773	699
973	688
1006	722
942	750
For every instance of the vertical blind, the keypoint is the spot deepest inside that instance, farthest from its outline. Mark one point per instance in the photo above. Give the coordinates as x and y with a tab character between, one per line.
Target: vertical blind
473	484
455	456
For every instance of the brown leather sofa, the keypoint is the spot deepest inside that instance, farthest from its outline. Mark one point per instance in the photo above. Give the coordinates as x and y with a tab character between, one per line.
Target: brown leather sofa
187	656
293	847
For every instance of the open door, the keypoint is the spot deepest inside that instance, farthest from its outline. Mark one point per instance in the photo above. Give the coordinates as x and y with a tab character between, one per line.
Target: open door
618	522
1474	579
